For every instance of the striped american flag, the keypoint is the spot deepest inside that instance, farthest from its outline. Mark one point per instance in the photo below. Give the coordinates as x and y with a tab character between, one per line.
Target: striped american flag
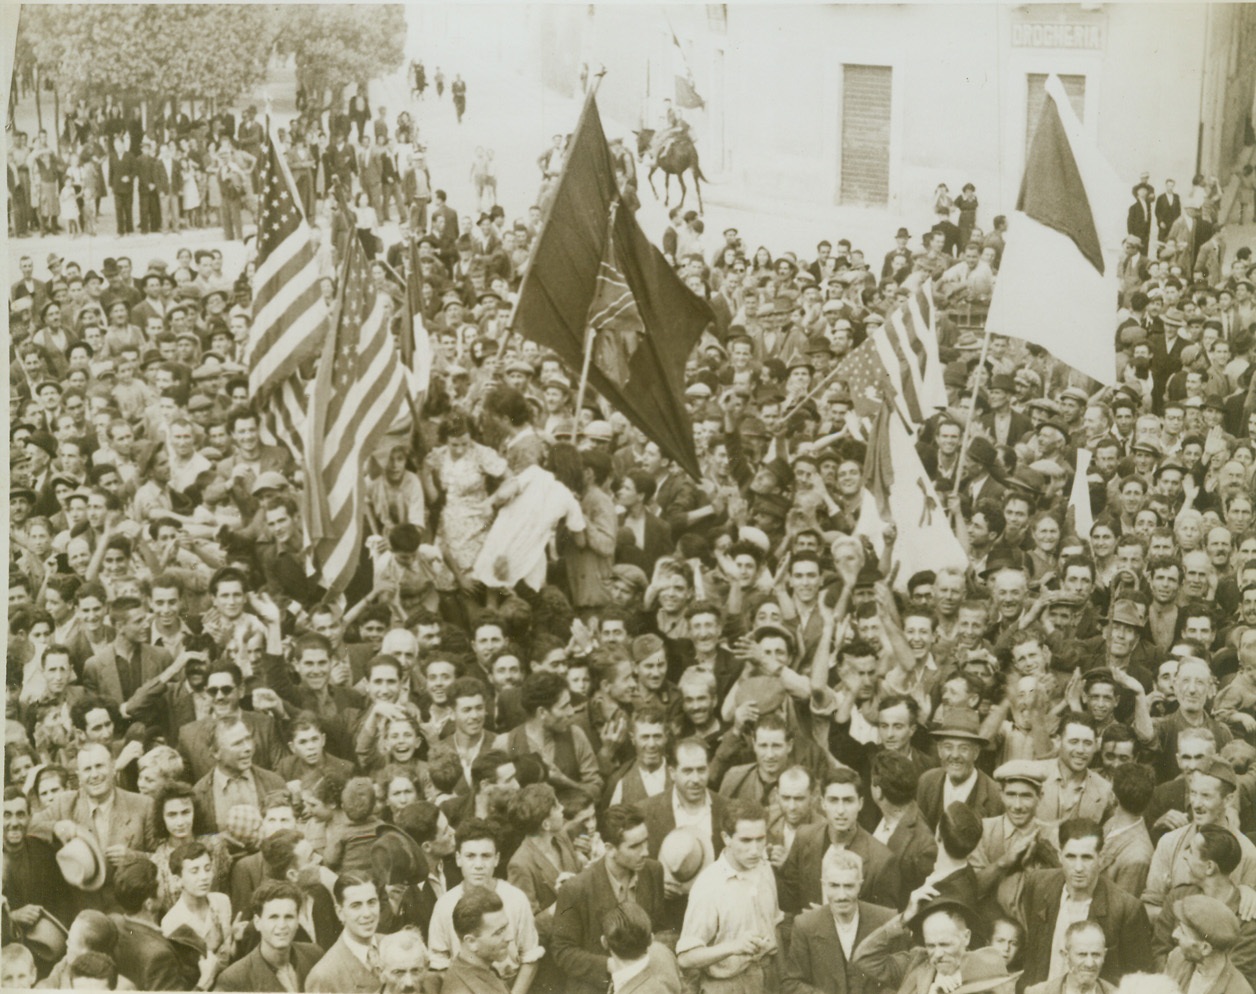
289	316
359	392
899	361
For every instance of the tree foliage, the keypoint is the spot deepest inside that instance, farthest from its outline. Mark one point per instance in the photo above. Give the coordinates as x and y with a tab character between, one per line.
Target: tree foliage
337	45
151	51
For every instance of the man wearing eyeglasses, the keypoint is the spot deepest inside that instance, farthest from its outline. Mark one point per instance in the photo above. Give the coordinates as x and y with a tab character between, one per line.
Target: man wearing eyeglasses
224	685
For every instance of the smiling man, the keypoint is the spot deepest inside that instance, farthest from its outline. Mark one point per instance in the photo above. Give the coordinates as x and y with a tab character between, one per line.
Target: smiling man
352	965
841	800
824	938
279	963
1052	900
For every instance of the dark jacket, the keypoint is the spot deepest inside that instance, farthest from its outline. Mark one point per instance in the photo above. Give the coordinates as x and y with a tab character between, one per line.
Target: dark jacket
1122	918
661	819
252	973
985	799
203	796
576	939
816	962
800	876
148	959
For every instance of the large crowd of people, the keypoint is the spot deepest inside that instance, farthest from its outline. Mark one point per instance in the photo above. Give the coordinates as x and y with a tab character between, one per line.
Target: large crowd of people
583	723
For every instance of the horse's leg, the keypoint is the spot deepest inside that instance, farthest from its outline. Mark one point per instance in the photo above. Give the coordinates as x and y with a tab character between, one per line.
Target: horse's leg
667	188
650	179
684	192
697	188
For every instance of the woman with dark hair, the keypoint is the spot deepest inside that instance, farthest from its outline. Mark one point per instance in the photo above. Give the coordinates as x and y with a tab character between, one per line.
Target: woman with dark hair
523	447
459	472
50	783
174	822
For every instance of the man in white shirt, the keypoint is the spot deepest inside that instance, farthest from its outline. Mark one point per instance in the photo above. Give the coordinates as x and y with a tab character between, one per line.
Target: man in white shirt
477	855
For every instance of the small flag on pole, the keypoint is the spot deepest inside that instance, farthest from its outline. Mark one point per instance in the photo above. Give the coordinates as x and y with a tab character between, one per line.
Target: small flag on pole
899	361
686	89
900	492
1057	284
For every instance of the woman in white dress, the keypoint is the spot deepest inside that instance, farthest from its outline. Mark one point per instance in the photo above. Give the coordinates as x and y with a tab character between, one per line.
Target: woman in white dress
537	501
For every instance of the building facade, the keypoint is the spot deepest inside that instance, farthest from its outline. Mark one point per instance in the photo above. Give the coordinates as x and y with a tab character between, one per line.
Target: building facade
877	104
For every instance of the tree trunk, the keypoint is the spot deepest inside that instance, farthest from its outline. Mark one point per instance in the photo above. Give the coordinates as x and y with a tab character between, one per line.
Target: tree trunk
56	111
39	107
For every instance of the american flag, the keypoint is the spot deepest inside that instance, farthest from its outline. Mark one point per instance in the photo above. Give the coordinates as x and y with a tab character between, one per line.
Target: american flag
289	316
360	391
899	361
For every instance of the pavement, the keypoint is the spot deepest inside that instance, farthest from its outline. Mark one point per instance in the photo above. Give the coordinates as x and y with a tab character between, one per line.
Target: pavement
515	117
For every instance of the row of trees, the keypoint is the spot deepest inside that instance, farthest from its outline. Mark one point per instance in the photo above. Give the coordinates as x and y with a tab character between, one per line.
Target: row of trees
211	53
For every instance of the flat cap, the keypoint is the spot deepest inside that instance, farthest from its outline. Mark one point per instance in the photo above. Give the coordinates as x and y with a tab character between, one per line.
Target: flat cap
1210	919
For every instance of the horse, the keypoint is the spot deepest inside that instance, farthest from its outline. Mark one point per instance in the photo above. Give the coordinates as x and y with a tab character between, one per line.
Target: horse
680	157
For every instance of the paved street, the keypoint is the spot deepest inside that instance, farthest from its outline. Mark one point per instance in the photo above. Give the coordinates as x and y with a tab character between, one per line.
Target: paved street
515	117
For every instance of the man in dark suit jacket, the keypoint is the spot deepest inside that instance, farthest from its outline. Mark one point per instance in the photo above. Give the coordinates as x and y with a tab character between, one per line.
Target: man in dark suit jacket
817	962
274	907
149	174
894	781
1005	425
800	876
1168	210
1139	217
231	747
340	162
1120	915
959	744
144	955
117	672
624	872
224	683
122	181
442	209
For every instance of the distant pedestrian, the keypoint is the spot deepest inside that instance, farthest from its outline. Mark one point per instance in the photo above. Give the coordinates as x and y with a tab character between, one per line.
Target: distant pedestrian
440	82
459	92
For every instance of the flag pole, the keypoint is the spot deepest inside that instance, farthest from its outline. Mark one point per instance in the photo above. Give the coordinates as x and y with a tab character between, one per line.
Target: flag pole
972	412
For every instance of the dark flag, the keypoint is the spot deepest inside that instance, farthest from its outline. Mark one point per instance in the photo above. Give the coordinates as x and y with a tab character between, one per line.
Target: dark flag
593	271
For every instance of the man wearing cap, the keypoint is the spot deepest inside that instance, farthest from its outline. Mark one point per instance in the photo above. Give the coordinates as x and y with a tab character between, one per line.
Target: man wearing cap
1206	933
925	950
1209	791
1213	855
1015	841
960	742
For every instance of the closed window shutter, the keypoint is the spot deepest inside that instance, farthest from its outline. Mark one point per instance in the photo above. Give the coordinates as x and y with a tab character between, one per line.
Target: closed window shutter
866	134
1074	87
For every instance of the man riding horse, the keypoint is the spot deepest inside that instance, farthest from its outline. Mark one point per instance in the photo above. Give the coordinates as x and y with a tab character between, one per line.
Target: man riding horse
675	128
